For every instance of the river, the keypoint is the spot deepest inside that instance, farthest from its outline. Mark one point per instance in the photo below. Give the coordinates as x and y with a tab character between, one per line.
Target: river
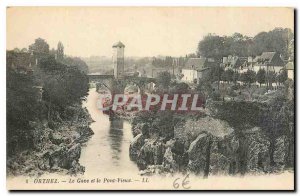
107	151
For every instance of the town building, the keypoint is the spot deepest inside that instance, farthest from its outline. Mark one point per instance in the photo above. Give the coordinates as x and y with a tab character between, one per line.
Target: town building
195	69
290	70
235	63
270	61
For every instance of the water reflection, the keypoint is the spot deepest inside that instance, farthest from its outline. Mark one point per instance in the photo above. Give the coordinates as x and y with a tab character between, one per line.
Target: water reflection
115	138
107	151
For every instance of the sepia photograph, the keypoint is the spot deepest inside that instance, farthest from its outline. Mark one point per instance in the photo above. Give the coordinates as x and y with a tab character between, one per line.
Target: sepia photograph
150	98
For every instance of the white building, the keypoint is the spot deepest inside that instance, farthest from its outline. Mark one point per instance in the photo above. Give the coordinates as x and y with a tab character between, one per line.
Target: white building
269	61
290	70
195	69
235	63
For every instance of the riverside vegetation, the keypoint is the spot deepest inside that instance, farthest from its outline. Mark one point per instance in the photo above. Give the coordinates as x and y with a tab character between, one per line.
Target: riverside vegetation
244	128
45	129
229	137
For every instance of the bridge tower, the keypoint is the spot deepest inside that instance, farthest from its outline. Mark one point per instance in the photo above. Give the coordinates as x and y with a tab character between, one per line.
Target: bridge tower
118	59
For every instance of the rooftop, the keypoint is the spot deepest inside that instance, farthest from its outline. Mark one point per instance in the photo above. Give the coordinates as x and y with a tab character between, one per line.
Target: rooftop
118	44
289	66
195	63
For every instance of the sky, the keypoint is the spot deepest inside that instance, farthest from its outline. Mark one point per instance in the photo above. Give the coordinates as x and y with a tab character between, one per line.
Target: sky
145	31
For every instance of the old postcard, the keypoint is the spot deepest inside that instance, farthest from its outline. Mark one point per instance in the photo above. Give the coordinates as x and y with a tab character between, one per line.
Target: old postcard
150	98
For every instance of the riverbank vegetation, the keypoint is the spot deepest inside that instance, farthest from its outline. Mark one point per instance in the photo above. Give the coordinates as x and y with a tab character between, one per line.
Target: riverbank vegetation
45	120
228	137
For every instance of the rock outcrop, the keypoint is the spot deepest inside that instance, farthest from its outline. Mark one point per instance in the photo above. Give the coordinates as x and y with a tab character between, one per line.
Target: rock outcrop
135	146
219	150
199	154
56	149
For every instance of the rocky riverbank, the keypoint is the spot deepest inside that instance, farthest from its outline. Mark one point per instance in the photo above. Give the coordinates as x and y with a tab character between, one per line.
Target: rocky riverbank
56	145
209	146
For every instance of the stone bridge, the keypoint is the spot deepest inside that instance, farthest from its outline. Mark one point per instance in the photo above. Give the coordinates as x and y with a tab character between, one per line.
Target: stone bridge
116	86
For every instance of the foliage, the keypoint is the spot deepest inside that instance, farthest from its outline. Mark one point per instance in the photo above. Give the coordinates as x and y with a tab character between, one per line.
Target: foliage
271	77
41	95
169	61
248	77
157	122
22	98
235	77
164	124
261	76
39	46
215	73
22	107
239	115
275	117
63	85
180	87
164	79
76	62
282	76
204	86
217	47
228	75
60	51
275	40
212	46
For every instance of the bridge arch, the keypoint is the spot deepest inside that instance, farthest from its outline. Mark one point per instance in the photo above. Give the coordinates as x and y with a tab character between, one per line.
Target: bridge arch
117	86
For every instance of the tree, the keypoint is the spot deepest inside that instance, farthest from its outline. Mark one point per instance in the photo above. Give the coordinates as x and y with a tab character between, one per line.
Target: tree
22	106
164	79
191	55
282	77
261	76
16	50
215	74
238	44
63	85
271	78
24	50
248	77
76	62
204	87
211	46
164	123
229	73
39	46
224	76
181	87
235	76
276	40
60	51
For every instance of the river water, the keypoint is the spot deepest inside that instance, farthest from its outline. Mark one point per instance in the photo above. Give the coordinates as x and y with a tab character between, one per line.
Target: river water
107	151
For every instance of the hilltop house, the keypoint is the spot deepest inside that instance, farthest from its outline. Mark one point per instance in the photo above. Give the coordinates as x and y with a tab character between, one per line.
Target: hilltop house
195	69
270	61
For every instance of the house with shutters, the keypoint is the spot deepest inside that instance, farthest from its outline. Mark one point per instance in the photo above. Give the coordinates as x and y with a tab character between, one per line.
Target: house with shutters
235	63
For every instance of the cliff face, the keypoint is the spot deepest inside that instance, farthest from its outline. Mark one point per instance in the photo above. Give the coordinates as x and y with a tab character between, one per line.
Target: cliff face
211	150
55	149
